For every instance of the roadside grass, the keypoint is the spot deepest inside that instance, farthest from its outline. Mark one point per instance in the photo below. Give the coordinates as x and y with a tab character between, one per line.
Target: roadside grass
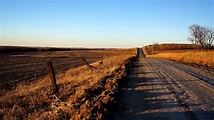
204	58
173	51
37	101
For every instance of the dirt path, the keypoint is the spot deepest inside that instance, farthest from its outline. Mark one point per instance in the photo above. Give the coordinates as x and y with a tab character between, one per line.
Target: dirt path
163	89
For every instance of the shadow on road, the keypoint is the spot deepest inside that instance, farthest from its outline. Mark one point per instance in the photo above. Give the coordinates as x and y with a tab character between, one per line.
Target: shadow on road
146	103
142	95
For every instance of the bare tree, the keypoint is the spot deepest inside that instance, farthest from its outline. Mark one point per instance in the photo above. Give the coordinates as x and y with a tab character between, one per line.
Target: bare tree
194	34
201	36
193	41
210	37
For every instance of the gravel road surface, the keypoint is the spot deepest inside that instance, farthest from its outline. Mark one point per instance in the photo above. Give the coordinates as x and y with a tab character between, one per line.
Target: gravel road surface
164	89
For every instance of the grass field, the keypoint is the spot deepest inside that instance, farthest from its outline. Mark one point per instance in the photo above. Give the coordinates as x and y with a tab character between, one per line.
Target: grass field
204	58
29	66
77	87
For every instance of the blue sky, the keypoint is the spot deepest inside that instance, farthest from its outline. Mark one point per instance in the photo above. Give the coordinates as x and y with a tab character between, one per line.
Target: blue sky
100	23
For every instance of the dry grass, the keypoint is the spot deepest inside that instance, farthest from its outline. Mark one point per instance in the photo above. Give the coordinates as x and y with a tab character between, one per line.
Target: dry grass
204	58
171	46
36	101
149	51
145	51
172	51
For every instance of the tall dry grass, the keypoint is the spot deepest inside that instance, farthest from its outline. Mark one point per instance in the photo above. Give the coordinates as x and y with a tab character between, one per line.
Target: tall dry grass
201	58
37	101
145	51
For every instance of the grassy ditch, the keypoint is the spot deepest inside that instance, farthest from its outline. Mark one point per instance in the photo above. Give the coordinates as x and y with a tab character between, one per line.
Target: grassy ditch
84	93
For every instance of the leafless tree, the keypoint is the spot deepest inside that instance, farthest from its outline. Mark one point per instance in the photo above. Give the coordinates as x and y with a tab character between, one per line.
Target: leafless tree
201	36
194	31
210	37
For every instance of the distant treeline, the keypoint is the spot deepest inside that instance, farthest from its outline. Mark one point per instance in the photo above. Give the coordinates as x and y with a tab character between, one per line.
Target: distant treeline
9	49
171	46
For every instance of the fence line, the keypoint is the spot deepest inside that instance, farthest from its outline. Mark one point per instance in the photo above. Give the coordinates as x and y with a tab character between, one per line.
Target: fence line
53	77
51	71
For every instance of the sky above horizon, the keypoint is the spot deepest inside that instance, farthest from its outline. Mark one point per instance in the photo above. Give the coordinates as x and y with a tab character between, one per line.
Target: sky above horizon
100	23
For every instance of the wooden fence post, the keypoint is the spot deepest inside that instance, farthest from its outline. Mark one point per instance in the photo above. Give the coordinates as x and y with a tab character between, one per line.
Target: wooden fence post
89	66
102	59
52	76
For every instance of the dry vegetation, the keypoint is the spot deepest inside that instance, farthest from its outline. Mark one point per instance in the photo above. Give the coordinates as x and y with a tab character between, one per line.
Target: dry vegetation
204	58
200	58
84	93
160	47
169	48
30	66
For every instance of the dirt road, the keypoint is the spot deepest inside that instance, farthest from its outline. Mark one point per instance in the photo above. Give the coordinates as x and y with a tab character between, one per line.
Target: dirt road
163	89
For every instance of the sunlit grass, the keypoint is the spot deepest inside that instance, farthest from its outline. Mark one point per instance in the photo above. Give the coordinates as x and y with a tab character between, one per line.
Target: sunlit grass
204	58
37	101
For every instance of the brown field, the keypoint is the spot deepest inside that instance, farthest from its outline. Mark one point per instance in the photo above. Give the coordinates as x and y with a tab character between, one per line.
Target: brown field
83	92
169	51
204	58
30	66
163	48
172	46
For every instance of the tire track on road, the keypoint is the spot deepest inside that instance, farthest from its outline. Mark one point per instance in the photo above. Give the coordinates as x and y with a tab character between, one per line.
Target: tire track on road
199	93
163	89
180	94
202	75
146	96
